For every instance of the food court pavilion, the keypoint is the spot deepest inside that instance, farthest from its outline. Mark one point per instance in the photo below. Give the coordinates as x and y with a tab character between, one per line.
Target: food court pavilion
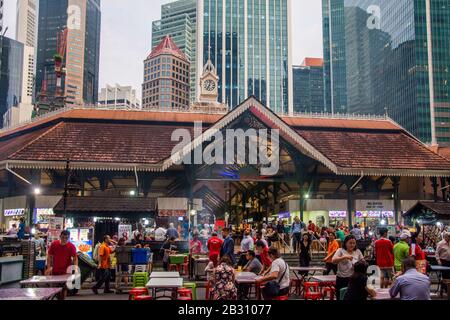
332	170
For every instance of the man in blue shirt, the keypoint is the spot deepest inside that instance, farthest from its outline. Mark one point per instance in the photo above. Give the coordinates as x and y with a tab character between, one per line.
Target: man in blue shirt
296	233
412	285
227	246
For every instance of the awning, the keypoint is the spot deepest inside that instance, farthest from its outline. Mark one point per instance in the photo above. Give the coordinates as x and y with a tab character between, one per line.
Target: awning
106	207
429	212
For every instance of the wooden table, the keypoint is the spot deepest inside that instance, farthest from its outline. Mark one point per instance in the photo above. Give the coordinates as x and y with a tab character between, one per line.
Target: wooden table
164	284
30	294
164	275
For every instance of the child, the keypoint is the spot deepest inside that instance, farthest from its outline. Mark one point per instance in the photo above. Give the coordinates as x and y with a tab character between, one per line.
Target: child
358	290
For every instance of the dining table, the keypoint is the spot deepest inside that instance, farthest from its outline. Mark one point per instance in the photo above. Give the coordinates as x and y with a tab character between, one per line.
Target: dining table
30	294
165	284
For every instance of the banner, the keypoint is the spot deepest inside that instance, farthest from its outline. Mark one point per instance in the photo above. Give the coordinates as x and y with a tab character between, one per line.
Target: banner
125	231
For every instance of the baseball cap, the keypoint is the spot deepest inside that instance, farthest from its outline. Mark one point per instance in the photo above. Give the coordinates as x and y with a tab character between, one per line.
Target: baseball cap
405	235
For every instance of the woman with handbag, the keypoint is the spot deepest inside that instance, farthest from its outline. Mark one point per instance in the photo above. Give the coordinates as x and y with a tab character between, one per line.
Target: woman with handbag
277	281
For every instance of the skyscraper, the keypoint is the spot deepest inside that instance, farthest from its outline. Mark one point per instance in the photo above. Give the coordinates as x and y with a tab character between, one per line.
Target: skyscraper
390	57
1	17
10	76
82	18
118	97
166	78
179	21
248	41
308	86
26	29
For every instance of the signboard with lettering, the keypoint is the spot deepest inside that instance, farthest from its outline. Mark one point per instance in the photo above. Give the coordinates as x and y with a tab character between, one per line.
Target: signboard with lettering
375	214
337	214
125	231
14	212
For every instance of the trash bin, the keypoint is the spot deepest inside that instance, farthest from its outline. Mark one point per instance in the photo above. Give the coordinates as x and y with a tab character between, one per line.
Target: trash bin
87	266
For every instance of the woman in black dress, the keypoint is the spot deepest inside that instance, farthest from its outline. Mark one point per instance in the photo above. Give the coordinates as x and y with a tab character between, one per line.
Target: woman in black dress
305	251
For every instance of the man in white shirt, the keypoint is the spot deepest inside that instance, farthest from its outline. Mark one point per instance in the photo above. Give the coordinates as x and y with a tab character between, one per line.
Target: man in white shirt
246	244
279	273
443	255
160	234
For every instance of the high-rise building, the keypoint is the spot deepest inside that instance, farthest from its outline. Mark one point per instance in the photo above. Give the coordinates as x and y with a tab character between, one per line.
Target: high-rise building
26	29
308	86
1	16
166	78
10	76
391	57
82	19
248	41
118	97
179	21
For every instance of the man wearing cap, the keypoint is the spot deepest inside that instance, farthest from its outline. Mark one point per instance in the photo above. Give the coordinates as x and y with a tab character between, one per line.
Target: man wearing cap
443	254
401	250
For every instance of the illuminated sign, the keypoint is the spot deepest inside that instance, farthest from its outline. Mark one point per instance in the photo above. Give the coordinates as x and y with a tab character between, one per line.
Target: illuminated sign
284	215
14	212
44	211
375	214
337	214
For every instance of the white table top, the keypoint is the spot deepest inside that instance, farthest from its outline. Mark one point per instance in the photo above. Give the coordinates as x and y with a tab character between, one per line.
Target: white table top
245	277
164	275
165	283
29	294
382	294
440	268
331	278
47	279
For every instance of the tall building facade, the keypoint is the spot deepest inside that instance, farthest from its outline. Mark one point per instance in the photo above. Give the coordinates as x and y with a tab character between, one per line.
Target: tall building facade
26	30
309	86
390	57
248	41
118	97
10	77
1	16
166	78
179	21
82	18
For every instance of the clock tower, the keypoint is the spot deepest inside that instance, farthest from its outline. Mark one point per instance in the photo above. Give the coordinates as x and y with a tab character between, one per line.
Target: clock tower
209	83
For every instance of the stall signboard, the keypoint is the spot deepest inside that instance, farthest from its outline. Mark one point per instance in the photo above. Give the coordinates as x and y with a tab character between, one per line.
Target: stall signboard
44	212
81	238
125	231
172	213
375	214
56	223
53	235
14	212
337	214
284	215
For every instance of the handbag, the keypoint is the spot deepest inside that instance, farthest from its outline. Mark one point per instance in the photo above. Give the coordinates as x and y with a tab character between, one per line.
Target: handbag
272	288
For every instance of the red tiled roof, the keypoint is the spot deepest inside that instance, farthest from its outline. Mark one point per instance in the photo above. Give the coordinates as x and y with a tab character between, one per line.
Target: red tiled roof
374	150
167	46
101	142
341	123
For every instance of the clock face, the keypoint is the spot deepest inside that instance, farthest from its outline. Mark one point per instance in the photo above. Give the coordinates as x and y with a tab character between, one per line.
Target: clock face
209	85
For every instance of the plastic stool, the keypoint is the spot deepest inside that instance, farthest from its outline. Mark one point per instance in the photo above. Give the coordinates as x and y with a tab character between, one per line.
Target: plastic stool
140	279
184	299
193	287
143	298
312	291
342	293
137	292
185	293
295	286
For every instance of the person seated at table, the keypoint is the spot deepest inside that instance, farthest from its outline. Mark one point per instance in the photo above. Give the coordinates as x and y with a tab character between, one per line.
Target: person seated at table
277	278
253	264
263	252
61	255
168	248
357	287
411	284
224	280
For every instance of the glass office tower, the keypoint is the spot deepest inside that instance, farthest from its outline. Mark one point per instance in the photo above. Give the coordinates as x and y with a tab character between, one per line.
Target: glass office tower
10	74
83	49
308	87
248	41
179	21
378	55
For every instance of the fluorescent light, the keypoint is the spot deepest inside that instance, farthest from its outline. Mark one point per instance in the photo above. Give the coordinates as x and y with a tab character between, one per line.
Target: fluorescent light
33	230
132	193
307	196
146	222
383	222
439	224
37	191
117	219
95	219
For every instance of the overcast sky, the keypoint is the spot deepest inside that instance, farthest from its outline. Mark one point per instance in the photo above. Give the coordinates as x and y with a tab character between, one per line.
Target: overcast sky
126	35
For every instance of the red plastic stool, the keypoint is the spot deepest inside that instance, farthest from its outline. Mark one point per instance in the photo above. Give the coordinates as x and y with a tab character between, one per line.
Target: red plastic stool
137	292
143	298
296	286
184	299
330	291
174	267
185	293
281	298
312	291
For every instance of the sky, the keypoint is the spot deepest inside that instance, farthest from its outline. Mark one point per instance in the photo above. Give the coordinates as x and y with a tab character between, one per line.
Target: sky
126	36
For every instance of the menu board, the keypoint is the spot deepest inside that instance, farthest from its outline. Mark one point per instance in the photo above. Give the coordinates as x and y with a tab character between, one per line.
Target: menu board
81	238
125	232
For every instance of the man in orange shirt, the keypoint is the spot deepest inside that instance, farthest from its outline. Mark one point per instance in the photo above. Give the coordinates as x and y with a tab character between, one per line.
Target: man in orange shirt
104	266
333	246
